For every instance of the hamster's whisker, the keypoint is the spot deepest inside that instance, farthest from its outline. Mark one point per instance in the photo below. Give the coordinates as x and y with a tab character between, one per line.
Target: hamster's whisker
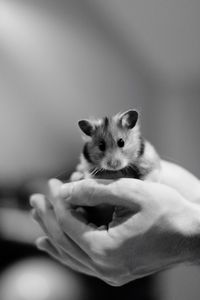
96	171
93	171
99	170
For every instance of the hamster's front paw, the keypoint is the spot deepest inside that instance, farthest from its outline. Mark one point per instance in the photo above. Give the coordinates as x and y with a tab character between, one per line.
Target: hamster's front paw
75	176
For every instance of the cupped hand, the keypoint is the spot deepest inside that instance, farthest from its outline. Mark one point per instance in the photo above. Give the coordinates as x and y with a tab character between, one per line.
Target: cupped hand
150	233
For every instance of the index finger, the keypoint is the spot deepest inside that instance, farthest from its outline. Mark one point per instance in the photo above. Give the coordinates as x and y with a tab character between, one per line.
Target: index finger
54	189
79	231
68	219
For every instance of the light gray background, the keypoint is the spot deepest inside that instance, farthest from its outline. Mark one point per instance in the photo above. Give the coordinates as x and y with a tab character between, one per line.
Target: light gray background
65	60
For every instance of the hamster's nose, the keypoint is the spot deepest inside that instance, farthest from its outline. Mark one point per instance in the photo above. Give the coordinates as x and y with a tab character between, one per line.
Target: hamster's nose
114	163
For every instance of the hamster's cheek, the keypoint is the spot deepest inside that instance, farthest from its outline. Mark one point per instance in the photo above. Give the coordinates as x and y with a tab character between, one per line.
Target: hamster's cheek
97	157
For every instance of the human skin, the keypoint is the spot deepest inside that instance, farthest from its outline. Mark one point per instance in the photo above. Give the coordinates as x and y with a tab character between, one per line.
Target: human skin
158	227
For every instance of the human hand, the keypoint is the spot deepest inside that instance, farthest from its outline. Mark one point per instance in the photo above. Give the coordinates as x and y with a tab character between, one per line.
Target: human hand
152	233
180	179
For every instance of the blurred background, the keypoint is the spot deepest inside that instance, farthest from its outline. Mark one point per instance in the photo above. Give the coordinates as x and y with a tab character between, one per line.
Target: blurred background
64	60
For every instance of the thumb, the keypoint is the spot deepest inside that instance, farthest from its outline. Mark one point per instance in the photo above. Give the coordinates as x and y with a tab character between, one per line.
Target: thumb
90	192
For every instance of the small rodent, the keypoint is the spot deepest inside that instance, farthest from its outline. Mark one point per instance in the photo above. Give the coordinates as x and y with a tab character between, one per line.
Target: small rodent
114	148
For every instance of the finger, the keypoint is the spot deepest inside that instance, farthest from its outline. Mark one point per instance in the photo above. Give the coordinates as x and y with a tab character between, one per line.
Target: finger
45	244
37	201
133	226
78	230
37	218
47	220
89	192
84	189
104	181
44	215
54	189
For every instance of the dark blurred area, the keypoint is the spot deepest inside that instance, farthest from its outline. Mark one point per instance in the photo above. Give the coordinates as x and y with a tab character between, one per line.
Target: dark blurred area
64	60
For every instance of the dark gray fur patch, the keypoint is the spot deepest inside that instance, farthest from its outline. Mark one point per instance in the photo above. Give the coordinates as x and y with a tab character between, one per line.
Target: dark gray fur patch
135	172
142	147
86	153
106	122
103	132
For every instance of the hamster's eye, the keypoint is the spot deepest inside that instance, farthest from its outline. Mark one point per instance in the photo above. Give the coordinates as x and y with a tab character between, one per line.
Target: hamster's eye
120	143
102	145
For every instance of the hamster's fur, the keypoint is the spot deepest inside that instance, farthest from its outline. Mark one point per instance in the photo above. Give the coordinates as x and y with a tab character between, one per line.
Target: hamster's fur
115	148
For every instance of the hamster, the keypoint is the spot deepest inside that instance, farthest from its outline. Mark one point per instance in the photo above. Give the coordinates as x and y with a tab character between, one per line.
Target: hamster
114	148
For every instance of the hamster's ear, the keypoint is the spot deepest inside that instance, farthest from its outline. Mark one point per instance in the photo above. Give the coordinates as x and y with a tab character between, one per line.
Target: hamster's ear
129	119
86	126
